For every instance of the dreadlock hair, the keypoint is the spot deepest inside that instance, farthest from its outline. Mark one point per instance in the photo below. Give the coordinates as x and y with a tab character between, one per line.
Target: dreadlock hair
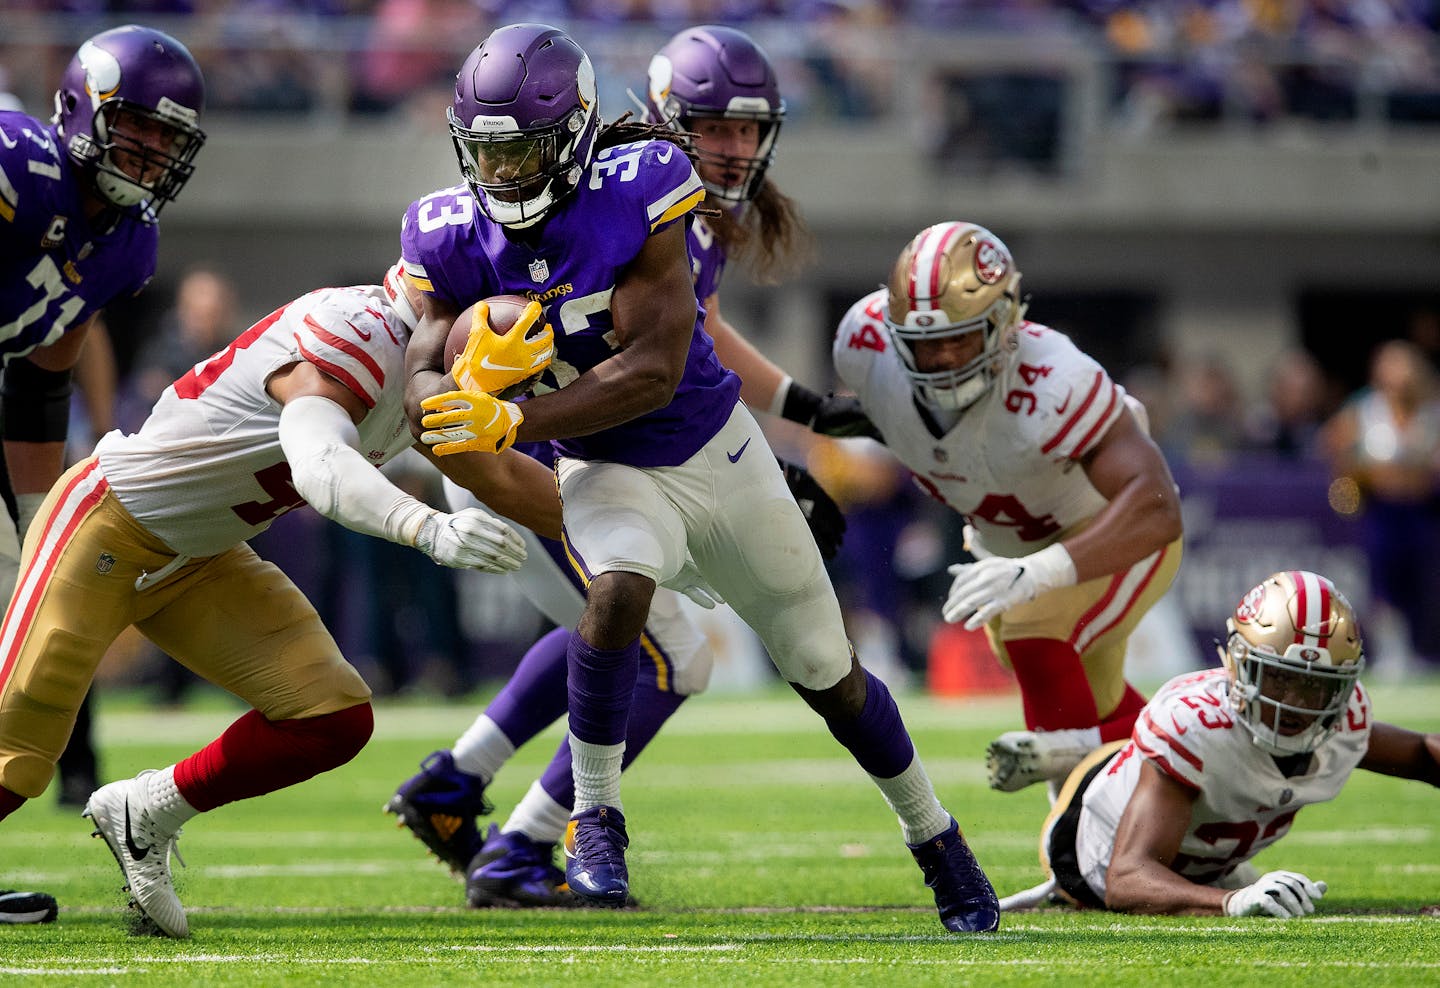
623	130
769	234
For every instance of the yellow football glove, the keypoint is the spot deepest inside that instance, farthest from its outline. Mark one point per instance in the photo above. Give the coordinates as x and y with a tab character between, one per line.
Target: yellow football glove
494	362
467	421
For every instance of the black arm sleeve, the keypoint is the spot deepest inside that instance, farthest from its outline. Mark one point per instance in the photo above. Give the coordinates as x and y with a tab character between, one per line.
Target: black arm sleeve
35	403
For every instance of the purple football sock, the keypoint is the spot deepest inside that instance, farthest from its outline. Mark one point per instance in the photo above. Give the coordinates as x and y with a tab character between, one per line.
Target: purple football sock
534	698
877	738
651	708
602	684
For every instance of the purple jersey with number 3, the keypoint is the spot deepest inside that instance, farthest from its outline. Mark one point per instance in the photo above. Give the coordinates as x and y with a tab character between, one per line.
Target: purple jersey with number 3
55	271
571	265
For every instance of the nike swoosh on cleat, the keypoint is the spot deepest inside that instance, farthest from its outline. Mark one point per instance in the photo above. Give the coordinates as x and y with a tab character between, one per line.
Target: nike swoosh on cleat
136	851
735	456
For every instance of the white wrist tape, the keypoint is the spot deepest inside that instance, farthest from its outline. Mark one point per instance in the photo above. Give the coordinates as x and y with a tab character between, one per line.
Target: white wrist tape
1052	567
326	466
777	403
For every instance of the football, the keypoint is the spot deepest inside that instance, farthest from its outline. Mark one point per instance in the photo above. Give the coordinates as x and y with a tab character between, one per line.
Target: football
504	311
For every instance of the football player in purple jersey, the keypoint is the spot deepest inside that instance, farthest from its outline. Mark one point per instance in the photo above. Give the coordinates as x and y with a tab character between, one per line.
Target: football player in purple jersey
716	86
651	438
79	198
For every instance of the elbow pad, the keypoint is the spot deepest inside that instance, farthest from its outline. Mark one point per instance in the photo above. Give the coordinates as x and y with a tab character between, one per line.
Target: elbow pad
35	403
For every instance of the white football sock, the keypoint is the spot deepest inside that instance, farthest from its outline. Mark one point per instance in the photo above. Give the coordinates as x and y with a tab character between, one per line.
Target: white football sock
538	816
597	774
482	749
163	800
912	796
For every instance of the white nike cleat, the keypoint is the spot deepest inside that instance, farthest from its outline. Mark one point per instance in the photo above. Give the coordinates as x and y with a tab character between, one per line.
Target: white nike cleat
1017	759
142	848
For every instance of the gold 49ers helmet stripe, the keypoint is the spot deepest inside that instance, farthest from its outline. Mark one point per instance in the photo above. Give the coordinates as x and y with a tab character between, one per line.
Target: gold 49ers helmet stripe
1312	609
927	265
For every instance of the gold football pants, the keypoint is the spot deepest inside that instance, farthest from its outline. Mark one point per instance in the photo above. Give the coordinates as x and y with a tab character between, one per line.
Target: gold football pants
1095	618
232	618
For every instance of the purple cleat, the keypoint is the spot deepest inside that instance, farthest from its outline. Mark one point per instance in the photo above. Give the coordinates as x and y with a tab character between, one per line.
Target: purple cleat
511	871
595	843
963	894
439	806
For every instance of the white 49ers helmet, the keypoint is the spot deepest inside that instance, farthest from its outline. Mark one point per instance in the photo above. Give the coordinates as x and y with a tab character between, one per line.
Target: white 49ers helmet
951	280
1293	654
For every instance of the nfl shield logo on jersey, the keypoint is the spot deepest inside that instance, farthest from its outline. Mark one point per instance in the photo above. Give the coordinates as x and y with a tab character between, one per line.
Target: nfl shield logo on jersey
539	271
105	563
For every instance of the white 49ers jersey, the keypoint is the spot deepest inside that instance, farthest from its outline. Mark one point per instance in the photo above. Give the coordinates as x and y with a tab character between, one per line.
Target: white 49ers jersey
206	471
1243	802
1010	463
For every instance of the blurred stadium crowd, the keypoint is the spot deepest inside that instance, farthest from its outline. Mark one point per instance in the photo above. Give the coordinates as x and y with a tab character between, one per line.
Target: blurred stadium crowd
1256	61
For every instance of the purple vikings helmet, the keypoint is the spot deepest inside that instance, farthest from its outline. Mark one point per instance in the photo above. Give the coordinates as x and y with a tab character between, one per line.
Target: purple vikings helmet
712	71
151	77
524	121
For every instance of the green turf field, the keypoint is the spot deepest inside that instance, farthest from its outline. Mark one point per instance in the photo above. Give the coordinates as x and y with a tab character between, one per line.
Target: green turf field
759	852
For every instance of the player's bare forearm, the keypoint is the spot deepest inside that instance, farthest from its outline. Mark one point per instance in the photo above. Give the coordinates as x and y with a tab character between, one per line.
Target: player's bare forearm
1152	889
1147	839
425	358
653	309
37	406
1403	753
759	376
1143	510
508	483
622	388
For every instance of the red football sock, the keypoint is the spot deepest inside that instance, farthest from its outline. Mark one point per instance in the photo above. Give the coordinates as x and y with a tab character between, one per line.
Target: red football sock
1118	724
9	802
255	756
1053	689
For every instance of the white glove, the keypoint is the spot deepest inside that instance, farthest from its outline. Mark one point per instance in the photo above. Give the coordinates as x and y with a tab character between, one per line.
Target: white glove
689	582
471	539
985	589
1283	894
